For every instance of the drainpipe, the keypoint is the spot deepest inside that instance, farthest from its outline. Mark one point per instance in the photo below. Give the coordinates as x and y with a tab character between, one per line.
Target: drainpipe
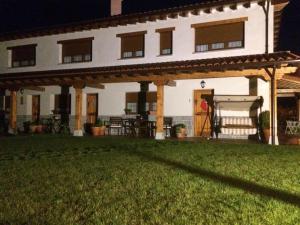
266	8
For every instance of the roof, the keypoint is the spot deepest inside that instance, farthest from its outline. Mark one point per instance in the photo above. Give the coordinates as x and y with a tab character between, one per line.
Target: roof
142	17
150	71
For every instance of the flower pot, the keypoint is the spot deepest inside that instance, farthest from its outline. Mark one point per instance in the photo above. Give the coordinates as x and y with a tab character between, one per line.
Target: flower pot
32	129
39	129
181	133
36	129
266	135
98	131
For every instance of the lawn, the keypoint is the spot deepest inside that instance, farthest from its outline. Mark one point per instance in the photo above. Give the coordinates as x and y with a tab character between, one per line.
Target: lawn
65	180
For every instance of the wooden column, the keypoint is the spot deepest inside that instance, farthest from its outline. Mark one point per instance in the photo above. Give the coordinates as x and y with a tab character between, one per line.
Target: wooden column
13	112
160	111
78	132
274	124
298	107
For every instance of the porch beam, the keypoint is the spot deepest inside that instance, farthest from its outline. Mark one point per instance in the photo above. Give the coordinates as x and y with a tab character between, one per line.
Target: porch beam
95	85
35	88
78	132
284	91
13	112
160	111
171	83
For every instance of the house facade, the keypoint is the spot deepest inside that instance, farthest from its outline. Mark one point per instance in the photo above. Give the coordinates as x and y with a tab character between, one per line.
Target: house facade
104	59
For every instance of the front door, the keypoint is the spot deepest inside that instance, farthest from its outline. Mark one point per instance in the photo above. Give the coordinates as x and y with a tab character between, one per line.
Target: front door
92	108
203	113
35	107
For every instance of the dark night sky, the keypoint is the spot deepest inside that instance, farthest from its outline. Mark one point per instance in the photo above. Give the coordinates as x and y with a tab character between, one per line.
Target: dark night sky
26	14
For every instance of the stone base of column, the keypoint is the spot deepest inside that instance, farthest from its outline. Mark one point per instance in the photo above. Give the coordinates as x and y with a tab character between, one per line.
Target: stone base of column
276	140
11	131
78	133
159	136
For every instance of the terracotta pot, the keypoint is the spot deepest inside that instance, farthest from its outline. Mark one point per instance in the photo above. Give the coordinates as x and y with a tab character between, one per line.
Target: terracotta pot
267	134
293	141
32	128
98	131
36	129
39	129
181	133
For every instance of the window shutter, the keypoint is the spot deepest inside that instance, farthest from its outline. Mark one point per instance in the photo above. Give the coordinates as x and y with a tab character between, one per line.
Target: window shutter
151	96
165	41
77	48
23	53
132	97
220	34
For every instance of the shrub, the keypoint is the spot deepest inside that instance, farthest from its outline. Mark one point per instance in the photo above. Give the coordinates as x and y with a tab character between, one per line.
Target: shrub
178	127
99	123
264	120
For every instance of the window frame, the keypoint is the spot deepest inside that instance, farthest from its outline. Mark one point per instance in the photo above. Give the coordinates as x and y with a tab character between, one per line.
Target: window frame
133	53
13	48
151	104
72	41
160	31
226	44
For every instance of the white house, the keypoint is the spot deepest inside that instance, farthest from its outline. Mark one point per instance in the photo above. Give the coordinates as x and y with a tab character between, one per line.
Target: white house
196	64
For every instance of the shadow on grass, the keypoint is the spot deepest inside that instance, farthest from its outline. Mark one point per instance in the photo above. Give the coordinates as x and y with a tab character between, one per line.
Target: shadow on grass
245	185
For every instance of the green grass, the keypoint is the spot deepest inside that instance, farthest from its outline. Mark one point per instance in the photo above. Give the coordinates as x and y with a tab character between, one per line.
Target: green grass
65	180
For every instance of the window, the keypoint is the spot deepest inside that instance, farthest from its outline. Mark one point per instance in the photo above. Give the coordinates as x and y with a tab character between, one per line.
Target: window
132	44
166	40
77	51
218	35
132	102
60	102
22	56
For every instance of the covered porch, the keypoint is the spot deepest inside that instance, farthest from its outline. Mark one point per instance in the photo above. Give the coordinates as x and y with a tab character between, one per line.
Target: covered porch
269	67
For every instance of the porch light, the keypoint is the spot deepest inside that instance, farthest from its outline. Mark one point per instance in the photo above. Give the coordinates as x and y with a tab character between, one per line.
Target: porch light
203	84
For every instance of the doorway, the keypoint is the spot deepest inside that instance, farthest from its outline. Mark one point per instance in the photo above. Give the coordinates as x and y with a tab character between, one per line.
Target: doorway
203	113
92	108
36	108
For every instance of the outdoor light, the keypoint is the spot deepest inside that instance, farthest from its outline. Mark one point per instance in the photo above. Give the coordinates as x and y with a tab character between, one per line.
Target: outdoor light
22	91
203	84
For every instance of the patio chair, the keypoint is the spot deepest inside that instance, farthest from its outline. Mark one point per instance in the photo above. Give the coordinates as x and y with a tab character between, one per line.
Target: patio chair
168	122
115	123
292	127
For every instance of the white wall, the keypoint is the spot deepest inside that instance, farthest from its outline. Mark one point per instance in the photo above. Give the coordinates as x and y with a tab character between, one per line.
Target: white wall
106	46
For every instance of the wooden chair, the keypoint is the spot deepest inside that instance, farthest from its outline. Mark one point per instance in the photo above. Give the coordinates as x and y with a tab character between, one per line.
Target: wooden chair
115	123
168	122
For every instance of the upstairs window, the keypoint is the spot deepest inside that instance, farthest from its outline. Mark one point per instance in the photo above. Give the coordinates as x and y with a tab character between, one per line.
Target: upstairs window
77	51
166	40
220	35
22	56
132	44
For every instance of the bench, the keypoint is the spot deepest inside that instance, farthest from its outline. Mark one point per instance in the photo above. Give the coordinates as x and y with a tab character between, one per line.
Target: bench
238	127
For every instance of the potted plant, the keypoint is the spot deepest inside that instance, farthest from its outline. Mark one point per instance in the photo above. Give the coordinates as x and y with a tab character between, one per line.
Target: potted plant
264	123
127	111
98	129
180	130
36	127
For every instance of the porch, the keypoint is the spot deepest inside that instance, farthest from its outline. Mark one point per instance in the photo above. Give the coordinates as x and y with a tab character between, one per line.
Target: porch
267	67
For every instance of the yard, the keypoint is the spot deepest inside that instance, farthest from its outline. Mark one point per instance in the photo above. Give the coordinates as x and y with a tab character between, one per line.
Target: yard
113	180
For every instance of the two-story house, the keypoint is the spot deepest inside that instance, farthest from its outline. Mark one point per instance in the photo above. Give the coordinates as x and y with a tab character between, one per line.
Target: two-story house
205	65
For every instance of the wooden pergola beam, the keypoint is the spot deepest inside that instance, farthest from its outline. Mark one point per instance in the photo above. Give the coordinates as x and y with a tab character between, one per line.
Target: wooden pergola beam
95	85
34	88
